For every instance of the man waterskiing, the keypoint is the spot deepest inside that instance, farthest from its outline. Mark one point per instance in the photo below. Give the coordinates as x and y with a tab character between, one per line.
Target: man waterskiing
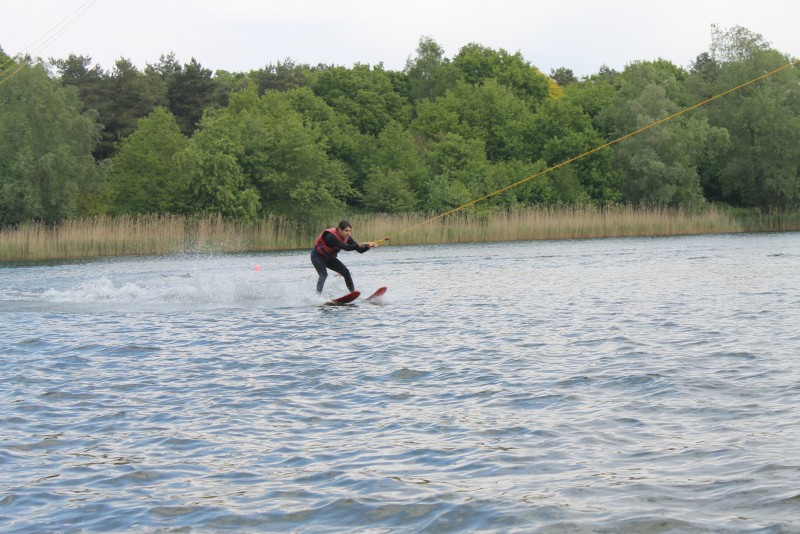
327	246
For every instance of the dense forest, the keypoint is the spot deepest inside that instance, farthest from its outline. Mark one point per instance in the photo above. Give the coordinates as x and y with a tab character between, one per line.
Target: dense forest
309	142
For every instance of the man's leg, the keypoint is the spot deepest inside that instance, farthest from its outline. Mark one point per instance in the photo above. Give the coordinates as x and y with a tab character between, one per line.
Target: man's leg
319	264
338	267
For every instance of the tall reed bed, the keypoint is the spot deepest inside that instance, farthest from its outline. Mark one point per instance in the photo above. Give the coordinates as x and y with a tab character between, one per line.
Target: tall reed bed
546	223
756	221
146	235
169	234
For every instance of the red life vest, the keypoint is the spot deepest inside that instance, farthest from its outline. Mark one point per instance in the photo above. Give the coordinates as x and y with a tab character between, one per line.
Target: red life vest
324	250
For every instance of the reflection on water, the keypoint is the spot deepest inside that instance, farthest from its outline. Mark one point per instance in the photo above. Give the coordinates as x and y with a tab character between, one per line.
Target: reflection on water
626	385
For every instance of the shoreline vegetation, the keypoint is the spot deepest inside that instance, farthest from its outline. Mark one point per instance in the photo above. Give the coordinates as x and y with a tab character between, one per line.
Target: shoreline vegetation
94	161
176	234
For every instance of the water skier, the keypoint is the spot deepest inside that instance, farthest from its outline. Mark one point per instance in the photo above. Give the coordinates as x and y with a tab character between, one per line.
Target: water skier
327	246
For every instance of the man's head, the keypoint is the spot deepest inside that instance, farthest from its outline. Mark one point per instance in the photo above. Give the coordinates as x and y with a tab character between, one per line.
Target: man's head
345	228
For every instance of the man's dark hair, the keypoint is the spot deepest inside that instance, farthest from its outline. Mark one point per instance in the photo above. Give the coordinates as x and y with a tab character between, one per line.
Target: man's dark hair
344	225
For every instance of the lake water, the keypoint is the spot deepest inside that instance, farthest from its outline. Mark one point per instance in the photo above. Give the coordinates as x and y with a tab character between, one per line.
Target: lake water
616	385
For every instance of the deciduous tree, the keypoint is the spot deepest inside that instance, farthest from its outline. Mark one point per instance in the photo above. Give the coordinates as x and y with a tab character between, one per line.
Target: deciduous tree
145	176
46	143
477	64
429	73
660	165
762	165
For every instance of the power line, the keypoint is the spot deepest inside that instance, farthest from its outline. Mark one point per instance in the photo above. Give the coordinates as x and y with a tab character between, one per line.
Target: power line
45	40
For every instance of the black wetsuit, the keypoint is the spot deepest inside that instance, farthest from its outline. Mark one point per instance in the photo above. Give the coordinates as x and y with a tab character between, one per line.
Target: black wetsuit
321	264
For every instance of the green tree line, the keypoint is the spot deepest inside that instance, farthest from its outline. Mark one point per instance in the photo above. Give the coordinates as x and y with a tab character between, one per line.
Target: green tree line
310	142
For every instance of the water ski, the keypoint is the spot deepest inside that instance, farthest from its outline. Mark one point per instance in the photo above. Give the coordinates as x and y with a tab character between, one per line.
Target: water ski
378	293
344	299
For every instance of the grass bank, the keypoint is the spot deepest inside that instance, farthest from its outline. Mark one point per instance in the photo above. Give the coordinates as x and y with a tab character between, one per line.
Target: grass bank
170	234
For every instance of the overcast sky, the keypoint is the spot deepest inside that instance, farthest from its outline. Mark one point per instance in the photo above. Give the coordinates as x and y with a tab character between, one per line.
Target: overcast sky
240	35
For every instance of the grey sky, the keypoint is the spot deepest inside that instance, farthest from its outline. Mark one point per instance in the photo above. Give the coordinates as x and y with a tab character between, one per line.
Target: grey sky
240	35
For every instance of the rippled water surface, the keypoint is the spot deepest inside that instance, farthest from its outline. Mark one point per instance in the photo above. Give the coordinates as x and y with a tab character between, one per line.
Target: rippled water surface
622	385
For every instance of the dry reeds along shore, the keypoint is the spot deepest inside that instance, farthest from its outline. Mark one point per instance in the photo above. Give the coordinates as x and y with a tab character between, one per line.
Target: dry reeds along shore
170	234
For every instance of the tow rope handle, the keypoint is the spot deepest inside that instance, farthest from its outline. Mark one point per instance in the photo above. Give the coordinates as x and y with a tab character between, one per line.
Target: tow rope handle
376	243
